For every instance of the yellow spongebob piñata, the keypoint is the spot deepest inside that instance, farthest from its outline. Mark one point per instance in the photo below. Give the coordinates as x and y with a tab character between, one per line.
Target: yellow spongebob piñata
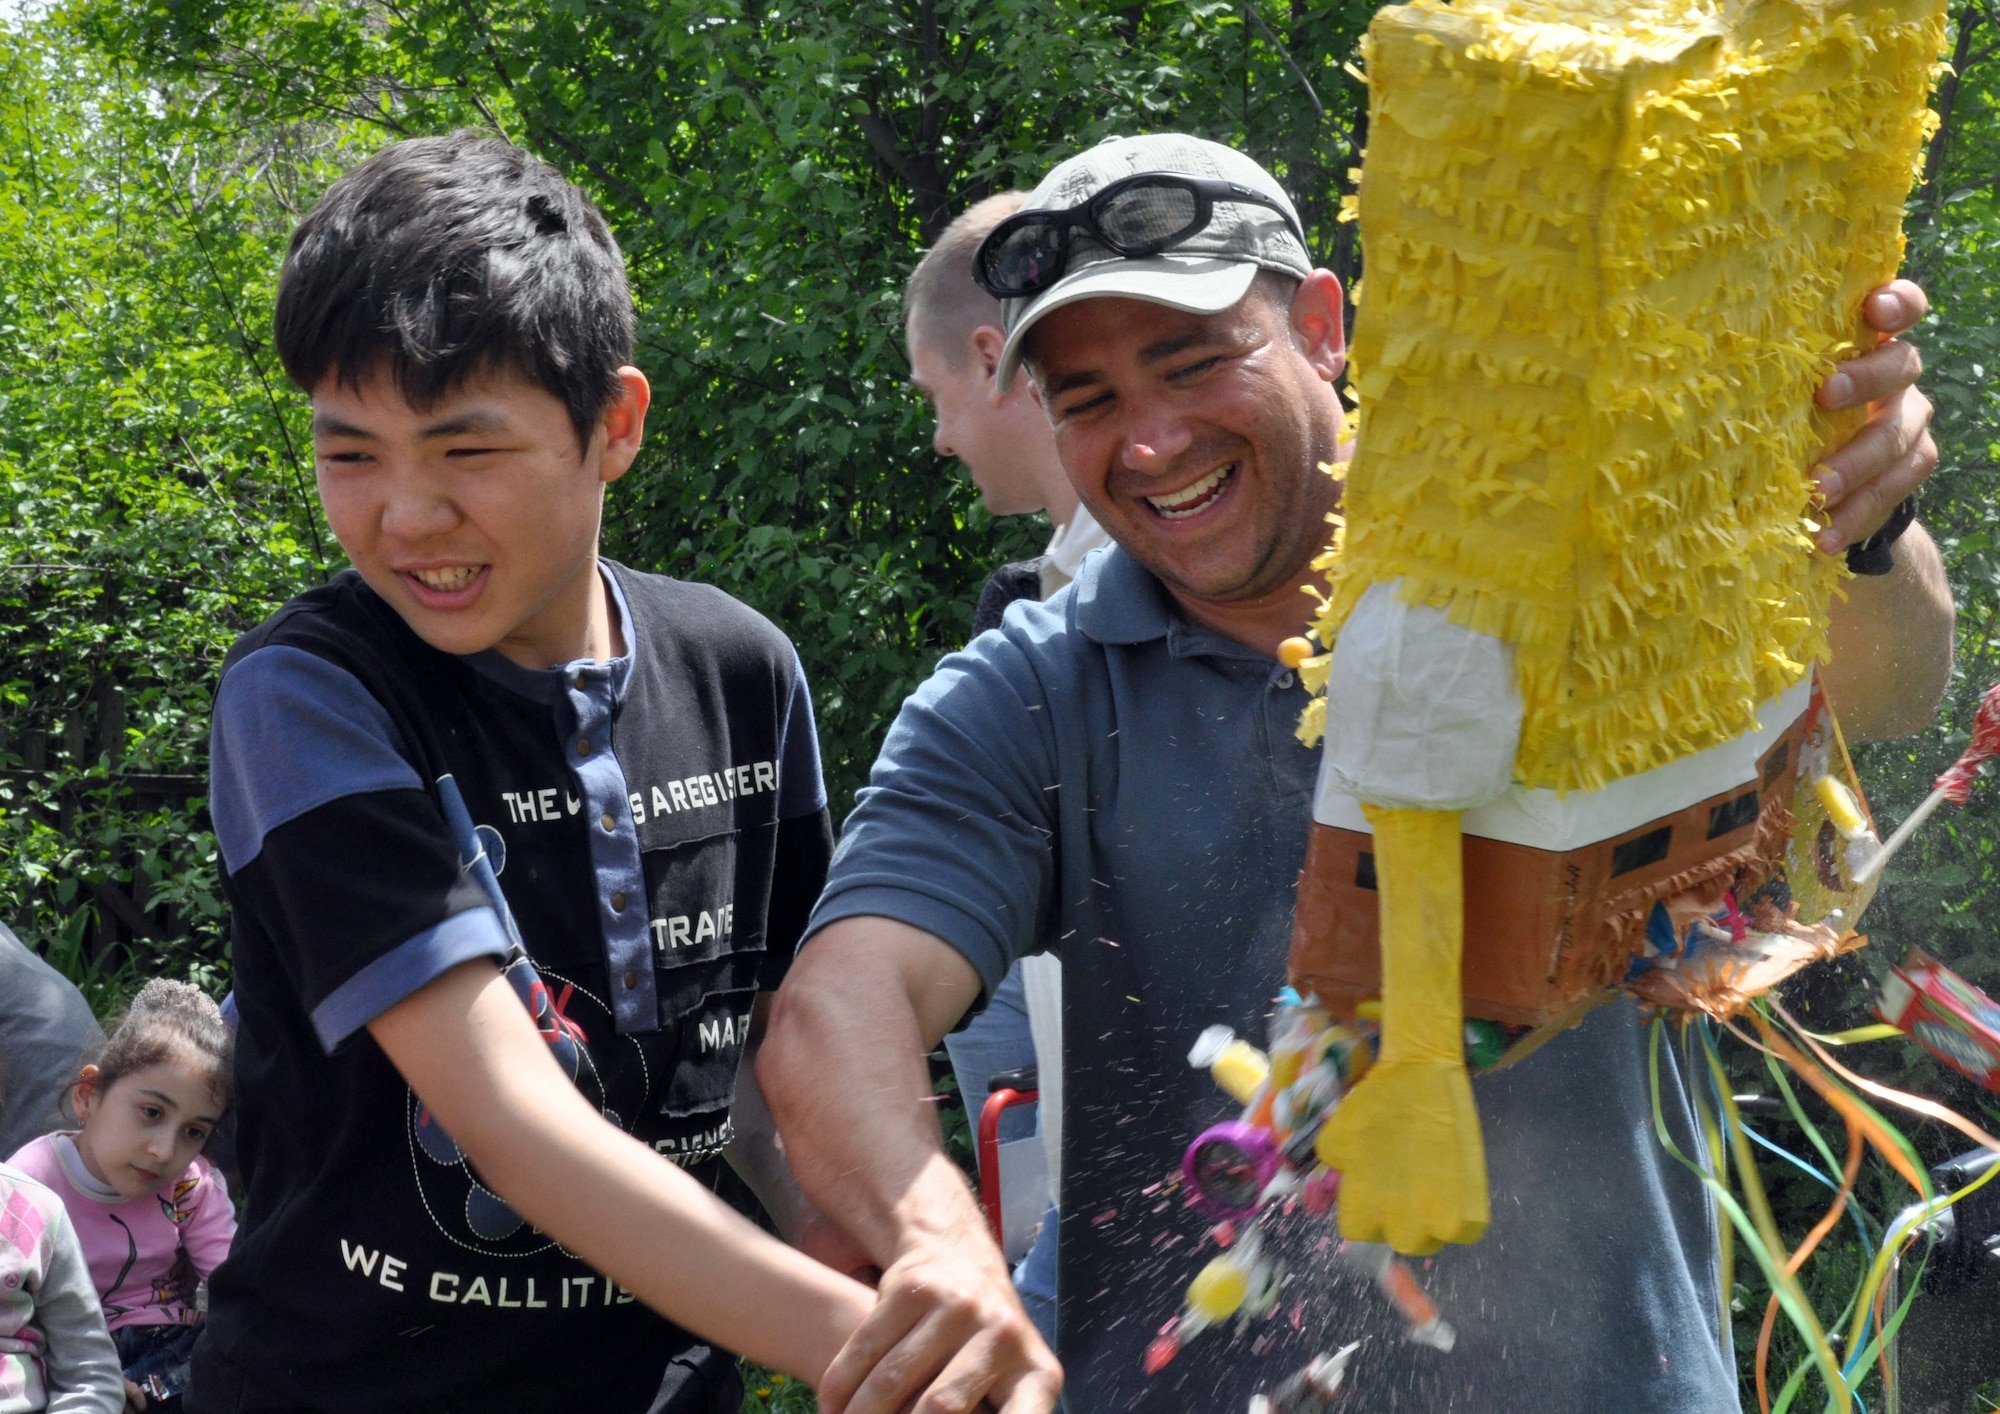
1611	250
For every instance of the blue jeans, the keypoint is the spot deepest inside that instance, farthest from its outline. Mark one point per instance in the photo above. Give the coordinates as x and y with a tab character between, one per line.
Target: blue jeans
145	1351
995	1040
1035	1278
999	1039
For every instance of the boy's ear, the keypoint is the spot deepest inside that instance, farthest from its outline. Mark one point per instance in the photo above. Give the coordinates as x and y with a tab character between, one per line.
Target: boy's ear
624	424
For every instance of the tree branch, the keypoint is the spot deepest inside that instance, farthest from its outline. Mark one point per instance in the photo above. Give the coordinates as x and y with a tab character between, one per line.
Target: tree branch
1286	54
919	173
1947	98
119	905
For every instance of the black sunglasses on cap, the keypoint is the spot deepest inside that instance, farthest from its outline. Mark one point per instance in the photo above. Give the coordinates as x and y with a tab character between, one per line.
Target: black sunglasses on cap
1135	217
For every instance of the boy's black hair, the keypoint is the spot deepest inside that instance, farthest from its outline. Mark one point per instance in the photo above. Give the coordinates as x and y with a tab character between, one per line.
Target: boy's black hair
446	257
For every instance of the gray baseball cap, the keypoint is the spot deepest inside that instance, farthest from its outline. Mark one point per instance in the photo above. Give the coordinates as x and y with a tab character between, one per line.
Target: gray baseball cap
1209	273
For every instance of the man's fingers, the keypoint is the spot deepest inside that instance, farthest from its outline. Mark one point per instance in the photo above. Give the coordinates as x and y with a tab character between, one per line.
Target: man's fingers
960	1351
884	1331
986	1374
1031	1394
905	1378
1896	444
1896	306
961	1386
946	1330
1863	512
1884	372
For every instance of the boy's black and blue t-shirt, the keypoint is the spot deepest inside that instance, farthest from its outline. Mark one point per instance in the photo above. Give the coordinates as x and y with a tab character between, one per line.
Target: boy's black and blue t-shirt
662	833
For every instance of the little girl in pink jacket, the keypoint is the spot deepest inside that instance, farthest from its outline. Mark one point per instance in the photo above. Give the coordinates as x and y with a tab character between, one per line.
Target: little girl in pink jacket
154	1218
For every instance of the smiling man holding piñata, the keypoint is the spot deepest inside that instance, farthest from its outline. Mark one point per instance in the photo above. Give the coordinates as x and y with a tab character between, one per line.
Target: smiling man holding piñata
1115	774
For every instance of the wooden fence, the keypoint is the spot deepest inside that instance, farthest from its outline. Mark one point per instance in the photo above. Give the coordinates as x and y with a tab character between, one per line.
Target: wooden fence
54	763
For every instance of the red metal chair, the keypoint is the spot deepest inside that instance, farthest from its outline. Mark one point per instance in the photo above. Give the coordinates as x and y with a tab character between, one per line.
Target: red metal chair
1008	1089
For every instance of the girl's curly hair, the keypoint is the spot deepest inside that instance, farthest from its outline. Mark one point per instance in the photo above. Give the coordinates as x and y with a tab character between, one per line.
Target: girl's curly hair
166	1018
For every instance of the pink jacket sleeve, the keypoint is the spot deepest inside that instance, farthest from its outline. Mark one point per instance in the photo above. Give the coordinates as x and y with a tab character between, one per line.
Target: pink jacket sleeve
211	1223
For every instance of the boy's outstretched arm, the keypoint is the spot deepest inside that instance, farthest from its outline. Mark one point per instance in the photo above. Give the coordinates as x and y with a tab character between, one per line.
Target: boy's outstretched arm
844	1070
466	1046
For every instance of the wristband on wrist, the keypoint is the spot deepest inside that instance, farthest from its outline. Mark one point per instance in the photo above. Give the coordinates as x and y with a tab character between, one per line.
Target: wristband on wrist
1875	555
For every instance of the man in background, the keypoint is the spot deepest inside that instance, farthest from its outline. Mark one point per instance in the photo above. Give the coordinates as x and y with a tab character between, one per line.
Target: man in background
46	1034
954	335
952	328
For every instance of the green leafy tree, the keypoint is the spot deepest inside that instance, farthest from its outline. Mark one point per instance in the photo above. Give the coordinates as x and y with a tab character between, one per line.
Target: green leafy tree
773	174
153	496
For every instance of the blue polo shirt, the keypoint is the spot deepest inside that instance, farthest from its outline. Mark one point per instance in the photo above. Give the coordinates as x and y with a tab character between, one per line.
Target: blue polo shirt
1105	775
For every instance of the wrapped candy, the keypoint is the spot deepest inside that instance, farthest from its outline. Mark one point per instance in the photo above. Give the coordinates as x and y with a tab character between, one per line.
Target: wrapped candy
1239	1170
1946	1015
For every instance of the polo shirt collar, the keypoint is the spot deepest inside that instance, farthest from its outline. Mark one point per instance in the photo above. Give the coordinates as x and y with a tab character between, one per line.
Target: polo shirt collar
546	685
1120	601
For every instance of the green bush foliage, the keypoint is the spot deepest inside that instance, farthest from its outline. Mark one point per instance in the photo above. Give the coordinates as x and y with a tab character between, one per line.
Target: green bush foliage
772	175
154	499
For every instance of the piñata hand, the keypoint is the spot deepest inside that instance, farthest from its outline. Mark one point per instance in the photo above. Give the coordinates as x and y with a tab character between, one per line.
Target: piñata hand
1413	1166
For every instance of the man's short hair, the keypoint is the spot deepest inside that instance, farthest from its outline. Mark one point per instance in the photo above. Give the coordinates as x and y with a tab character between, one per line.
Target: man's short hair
941	304
447	257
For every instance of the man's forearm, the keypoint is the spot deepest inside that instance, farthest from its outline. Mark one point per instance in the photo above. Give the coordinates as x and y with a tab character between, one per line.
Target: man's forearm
844	1070
1892	644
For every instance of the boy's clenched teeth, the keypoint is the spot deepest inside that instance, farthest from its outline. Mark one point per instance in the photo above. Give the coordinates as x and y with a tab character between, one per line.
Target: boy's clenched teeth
1192	500
449	580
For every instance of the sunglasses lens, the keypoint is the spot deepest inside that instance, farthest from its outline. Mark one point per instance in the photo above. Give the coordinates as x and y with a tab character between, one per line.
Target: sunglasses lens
1147	216
1028	258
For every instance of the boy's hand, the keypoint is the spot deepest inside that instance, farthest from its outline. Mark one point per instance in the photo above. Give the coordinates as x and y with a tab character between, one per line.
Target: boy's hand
1888	459
135	1398
947	1336
829	1244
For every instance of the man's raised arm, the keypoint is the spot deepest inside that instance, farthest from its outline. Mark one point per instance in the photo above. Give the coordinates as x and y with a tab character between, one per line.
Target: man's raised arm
1892	643
1892	634
843	1068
